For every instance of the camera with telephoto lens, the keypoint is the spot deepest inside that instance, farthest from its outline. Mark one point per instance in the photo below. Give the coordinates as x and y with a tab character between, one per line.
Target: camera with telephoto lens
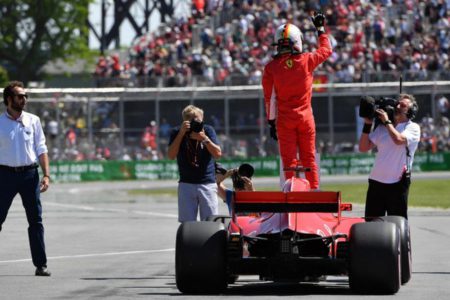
368	105
196	125
244	170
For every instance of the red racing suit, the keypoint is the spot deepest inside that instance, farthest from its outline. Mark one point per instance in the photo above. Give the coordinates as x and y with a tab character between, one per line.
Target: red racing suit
287	84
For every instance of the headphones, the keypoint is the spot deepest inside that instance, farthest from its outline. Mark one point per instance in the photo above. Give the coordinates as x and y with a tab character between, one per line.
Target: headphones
412	111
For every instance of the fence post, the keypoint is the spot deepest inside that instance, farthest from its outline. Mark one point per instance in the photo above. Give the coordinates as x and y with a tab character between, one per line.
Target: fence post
89	115
262	122
121	122
330	114
227	123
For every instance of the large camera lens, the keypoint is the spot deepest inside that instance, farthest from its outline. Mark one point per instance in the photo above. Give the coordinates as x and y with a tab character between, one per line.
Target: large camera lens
246	170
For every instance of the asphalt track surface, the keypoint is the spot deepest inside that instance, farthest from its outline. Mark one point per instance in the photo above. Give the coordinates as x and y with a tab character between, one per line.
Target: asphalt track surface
105	242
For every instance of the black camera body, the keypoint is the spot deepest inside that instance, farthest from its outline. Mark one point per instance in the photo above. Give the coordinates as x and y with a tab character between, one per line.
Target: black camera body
196	125
368	105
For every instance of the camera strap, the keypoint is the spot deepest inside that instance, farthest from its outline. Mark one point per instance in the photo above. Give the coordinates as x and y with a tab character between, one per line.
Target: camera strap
192	151
408	160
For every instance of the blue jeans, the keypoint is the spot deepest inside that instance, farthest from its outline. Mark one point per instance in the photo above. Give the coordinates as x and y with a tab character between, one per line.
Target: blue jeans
192	196
26	184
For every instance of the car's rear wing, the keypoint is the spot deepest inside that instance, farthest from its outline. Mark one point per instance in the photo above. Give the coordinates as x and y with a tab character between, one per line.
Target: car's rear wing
288	202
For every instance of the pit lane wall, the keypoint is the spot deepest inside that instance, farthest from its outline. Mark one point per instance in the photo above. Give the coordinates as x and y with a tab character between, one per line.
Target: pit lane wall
268	166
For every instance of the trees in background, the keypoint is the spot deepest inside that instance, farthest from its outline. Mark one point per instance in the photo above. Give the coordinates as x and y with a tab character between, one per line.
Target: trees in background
34	32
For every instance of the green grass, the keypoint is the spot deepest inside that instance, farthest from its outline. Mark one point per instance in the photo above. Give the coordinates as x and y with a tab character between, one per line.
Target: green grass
422	193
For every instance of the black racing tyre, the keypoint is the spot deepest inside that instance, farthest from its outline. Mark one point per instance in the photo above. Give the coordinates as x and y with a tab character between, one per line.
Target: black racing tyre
405	242
200	258
232	279
374	258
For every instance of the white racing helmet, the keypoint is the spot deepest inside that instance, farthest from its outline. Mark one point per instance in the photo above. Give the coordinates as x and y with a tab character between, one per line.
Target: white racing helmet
288	37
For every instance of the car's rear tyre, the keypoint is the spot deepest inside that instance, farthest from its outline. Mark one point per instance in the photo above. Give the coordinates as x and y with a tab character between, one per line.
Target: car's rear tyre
200	258
405	242
374	265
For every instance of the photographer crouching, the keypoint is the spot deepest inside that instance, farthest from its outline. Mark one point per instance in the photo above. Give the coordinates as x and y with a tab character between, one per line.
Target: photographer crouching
396	139
194	145
241	178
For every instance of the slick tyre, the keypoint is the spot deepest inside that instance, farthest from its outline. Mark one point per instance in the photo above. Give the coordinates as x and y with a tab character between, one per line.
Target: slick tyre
200	258
374	264
405	242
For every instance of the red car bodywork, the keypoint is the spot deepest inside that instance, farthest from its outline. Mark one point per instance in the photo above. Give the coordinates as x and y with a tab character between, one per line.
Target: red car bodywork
327	223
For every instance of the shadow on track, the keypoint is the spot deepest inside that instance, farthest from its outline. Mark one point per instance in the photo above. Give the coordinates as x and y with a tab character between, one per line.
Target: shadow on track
258	288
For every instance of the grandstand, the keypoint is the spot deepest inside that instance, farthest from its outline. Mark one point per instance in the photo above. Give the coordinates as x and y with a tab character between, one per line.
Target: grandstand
229	42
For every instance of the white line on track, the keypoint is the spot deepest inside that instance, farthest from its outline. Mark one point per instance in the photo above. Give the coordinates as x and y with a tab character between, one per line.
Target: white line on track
91	208
91	255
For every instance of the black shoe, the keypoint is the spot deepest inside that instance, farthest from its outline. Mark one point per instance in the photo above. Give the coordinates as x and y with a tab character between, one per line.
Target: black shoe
42	271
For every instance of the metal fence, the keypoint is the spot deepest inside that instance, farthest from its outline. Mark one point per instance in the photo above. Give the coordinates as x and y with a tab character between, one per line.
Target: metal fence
236	79
109	123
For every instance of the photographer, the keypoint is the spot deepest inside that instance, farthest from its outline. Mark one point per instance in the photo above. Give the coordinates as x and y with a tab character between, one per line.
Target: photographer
241	178
195	147
396	141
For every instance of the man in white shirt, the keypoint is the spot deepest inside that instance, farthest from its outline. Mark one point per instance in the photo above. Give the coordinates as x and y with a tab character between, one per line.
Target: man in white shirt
396	141
22	150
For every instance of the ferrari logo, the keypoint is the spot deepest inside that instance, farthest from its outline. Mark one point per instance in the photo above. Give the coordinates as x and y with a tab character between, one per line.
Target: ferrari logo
289	63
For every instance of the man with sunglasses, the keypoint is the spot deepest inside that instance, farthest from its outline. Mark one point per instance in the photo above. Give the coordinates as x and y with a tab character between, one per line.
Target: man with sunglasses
22	150
396	141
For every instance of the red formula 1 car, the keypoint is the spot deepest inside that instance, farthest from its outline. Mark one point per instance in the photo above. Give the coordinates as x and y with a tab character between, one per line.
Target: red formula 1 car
294	235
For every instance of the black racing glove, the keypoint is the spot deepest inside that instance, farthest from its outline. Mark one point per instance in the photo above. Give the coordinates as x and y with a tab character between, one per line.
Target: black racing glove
319	21
273	130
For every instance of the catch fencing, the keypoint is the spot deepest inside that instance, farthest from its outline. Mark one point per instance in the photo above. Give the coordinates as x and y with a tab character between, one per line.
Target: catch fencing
108	123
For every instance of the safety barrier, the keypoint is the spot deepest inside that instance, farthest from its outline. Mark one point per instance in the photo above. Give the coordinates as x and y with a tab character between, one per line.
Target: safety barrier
269	166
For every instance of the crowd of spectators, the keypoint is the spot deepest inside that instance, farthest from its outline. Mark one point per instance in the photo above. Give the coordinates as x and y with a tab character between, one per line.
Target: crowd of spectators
436	131
229	42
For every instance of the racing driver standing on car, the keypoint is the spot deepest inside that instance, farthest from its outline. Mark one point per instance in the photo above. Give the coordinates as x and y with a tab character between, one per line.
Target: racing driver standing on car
287	84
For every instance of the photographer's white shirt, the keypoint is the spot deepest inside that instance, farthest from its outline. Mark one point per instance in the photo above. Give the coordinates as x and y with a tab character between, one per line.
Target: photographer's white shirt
390	160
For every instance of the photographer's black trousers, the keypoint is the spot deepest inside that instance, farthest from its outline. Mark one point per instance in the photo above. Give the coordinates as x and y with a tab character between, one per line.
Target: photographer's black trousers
387	199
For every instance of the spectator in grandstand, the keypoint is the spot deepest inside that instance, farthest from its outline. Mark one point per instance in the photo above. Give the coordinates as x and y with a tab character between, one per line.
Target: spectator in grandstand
443	105
287	83
71	138
164	129
195	147
241	178
396	141
148	138
22	149
52	131
101	70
